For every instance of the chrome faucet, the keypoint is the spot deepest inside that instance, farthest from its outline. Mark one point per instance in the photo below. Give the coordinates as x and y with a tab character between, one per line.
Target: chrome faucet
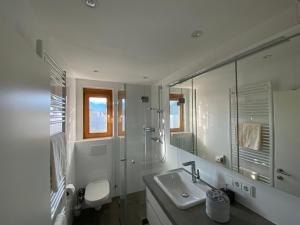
195	175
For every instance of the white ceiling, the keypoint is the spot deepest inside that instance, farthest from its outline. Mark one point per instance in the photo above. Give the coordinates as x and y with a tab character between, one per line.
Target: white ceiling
127	40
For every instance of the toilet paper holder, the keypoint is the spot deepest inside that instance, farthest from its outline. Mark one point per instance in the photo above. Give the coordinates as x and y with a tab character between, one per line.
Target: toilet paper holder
70	190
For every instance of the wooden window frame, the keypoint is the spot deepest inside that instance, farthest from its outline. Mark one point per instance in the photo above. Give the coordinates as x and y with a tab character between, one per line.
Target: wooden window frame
176	97
100	93
121	117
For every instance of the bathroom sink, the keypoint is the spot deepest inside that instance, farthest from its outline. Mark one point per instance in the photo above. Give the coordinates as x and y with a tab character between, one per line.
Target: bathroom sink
178	186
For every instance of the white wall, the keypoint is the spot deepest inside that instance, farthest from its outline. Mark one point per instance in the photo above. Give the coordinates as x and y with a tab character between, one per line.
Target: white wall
71	128
91	166
93	161
277	206
70	139
24	137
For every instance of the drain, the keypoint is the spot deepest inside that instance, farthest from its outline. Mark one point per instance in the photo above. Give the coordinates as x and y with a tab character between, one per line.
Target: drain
185	195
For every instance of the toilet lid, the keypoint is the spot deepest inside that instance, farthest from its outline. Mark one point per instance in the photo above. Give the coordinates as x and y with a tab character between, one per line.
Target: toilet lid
97	190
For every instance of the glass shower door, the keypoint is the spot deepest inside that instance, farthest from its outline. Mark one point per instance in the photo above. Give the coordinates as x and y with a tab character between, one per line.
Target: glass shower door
138	146
122	157
140	155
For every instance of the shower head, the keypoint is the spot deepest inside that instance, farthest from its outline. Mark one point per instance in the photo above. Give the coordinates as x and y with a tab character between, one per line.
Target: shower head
156	139
181	101
145	99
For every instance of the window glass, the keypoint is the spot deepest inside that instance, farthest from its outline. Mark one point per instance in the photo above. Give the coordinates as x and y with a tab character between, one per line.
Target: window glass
123	115
98	115
174	114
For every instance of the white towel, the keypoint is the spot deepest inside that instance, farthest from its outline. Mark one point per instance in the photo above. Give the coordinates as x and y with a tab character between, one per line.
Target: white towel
57	159
250	135
60	219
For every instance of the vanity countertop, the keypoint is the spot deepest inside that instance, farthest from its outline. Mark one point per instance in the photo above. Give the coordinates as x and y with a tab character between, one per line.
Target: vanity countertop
239	215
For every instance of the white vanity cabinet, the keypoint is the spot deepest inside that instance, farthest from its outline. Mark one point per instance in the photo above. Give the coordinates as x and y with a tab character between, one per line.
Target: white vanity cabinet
155	213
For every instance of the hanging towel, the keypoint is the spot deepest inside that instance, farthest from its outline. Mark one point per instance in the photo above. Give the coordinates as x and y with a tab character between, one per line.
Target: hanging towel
57	159
60	219
250	135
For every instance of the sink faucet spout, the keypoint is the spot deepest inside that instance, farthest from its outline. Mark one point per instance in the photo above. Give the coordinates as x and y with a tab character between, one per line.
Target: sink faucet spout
193	170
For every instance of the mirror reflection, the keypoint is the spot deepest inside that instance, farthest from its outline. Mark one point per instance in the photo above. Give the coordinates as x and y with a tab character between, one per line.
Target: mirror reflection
245	116
213	99
181	116
269	109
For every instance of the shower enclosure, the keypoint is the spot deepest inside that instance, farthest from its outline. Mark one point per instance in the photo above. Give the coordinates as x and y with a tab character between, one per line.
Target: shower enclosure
142	151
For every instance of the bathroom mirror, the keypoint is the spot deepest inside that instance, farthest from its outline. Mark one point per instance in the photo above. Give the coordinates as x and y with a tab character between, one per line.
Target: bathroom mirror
182	116
245	116
213	100
268	116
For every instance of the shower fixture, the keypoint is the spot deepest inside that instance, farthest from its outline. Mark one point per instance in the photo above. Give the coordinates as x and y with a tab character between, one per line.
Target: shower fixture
196	34
156	109
156	139
91	3
145	99
149	129
181	100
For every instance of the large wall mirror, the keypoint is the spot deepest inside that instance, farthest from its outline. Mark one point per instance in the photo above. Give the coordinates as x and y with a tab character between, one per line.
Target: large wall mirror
245	116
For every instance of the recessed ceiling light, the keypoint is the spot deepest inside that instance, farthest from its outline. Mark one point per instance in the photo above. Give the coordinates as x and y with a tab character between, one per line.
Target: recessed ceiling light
196	34
91	3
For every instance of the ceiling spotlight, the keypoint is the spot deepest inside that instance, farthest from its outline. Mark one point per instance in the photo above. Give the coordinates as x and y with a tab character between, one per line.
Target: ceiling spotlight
91	3
196	34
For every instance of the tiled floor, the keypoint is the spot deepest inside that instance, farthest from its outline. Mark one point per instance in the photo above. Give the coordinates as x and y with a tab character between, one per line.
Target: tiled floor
110	213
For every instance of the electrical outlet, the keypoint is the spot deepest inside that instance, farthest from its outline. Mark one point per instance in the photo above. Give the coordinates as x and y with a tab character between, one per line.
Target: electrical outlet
243	188
248	190
236	184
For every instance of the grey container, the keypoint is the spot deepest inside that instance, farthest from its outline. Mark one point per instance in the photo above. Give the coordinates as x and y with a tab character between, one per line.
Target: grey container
217	206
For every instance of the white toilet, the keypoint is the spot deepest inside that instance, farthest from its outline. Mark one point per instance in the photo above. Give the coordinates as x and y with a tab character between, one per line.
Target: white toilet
97	193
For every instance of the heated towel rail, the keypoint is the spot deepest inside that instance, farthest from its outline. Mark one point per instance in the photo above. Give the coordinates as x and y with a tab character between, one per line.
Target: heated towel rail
57	123
253	103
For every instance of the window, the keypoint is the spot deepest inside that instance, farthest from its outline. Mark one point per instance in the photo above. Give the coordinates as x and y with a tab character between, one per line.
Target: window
121	113
176	113
97	121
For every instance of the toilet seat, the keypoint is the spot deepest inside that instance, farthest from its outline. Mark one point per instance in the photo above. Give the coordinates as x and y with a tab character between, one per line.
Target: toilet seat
97	190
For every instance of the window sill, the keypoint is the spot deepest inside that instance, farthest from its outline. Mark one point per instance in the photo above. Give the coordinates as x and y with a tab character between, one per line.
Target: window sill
99	139
94	139
180	132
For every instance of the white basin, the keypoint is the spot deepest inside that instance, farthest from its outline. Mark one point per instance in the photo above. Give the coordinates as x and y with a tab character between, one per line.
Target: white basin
178	186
